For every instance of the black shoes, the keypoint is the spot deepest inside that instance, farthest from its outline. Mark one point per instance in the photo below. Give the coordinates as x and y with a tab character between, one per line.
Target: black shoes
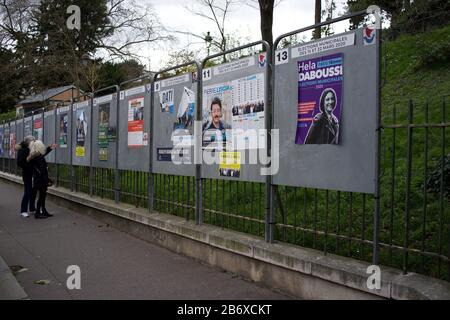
45	213
42	215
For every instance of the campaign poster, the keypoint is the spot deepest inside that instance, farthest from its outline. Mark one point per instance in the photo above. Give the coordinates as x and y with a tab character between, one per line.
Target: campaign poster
103	125
320	100
103	131
166	101
103	154
63	126
230	164
12	145
38	129
182	134
1	141
82	129
136	123
237	105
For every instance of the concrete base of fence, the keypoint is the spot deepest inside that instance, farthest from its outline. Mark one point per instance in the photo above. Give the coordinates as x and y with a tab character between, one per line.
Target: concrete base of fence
300	272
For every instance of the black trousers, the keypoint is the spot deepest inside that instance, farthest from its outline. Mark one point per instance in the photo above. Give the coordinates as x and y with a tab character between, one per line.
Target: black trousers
40	206
29	195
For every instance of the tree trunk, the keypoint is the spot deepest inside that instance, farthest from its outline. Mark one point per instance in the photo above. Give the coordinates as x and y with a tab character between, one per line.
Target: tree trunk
266	14
318	18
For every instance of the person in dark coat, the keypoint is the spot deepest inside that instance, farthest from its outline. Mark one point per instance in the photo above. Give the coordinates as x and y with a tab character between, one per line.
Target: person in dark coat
36	159
28	198
325	126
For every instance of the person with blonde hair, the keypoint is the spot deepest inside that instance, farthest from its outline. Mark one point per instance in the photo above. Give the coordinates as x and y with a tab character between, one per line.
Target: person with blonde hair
41	181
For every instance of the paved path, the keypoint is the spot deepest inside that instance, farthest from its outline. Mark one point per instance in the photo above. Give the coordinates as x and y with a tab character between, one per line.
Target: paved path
114	265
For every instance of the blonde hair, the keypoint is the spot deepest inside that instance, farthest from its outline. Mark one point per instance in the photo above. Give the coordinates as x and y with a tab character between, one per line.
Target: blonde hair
37	147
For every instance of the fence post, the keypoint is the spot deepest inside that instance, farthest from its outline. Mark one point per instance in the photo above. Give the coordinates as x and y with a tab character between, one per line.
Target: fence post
150	180
71	126
91	169
377	212
16	170
3	144
199	150
116	165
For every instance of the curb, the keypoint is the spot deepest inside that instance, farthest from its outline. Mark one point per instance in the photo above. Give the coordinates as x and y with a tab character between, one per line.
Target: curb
10	288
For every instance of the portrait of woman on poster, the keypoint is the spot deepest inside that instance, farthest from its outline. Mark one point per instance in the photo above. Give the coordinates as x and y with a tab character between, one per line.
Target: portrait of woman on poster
325	126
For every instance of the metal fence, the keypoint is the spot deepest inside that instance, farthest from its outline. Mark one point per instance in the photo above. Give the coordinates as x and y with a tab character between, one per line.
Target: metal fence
415	218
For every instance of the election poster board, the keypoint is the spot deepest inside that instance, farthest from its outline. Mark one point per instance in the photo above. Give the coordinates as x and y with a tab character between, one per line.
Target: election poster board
104	131
63	153
81	133
134	128
174	114
325	111
234	111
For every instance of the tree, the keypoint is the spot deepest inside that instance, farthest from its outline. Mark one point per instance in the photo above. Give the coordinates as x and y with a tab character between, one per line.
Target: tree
9	81
406	16
266	8
51	55
215	11
317	19
110	73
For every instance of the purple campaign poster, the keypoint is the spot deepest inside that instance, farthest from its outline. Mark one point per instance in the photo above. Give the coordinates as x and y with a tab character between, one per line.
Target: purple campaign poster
319	100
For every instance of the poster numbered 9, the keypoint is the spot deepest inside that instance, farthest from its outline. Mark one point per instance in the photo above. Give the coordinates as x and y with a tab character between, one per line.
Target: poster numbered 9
136	123
320	100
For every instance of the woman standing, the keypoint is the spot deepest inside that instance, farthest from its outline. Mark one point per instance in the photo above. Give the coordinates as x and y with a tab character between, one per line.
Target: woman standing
41	181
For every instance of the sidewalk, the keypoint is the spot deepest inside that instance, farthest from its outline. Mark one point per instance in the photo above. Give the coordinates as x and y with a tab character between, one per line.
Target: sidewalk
114	265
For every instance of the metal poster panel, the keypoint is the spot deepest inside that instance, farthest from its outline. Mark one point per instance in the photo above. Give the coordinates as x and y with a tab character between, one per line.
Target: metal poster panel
134	128
325	108
233	119
81	133
104	131
49	133
173	120
63	135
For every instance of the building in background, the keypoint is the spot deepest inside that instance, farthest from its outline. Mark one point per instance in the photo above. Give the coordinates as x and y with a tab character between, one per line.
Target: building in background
48	98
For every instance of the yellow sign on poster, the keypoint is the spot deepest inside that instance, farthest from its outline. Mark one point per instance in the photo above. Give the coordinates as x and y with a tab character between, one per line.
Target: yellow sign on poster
230	164
80	152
